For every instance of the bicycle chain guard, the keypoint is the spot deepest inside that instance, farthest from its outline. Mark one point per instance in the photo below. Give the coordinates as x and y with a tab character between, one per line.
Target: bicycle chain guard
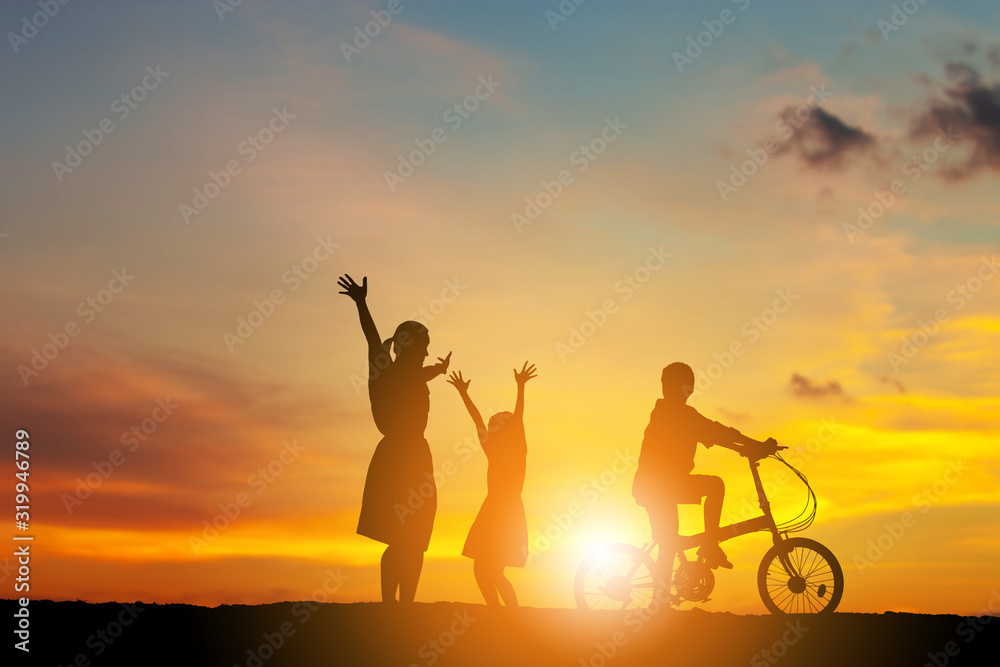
694	581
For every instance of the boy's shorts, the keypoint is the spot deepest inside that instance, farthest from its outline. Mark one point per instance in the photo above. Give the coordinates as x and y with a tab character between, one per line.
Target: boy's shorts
683	490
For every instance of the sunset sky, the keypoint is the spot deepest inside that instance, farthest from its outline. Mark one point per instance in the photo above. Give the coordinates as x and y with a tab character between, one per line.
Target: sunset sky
597	195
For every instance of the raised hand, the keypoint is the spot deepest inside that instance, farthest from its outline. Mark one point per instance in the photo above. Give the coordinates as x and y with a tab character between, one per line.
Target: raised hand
442	364
459	382
526	374
357	292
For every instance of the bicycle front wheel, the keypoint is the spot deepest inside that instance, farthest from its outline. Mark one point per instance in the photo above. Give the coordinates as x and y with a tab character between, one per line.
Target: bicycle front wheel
619	576
813	584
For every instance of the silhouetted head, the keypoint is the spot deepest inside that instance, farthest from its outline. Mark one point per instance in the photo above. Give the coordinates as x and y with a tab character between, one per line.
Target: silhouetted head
678	382
498	420
410	342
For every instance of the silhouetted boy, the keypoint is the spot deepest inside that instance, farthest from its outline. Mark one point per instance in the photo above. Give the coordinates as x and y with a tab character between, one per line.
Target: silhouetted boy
663	478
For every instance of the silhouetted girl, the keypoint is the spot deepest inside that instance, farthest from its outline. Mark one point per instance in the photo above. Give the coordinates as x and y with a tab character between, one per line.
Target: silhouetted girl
499	535
400	497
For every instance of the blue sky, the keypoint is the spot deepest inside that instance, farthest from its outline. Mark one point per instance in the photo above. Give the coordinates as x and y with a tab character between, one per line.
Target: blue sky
655	185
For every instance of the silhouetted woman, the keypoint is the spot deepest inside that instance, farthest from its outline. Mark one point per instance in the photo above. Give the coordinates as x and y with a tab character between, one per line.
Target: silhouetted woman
499	535
400	497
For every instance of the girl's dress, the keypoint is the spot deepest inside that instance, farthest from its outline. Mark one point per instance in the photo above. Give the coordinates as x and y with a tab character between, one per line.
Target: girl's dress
400	497
500	532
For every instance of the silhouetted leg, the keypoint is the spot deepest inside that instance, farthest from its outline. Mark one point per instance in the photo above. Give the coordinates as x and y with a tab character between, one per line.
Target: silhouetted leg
713	490
716	493
390	573
486	579
666	526
505	588
411	562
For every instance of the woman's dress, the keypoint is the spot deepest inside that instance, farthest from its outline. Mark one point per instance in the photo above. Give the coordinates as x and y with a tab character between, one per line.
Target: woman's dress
400	497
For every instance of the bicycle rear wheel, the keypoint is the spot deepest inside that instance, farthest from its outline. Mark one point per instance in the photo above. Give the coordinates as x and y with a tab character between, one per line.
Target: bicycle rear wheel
815	585
619	576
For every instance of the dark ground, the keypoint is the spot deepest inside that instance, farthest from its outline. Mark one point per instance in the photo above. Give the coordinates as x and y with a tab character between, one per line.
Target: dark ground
307	633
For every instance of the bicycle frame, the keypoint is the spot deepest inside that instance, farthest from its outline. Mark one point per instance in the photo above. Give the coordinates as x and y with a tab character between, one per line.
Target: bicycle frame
759	523
816	585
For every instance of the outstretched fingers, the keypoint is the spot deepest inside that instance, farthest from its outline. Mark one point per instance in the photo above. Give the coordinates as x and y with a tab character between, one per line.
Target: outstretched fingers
443	363
458	381
526	373
351	288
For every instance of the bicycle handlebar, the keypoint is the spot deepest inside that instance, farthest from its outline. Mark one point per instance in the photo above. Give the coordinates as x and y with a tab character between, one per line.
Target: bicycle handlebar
775	447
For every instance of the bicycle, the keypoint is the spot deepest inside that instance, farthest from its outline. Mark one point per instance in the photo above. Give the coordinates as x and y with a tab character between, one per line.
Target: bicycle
796	575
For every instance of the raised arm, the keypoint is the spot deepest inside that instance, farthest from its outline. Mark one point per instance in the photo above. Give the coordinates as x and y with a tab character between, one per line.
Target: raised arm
359	293
526	374
462	385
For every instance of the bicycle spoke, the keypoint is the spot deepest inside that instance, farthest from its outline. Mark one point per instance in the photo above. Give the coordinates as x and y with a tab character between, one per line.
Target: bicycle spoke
781	599
819	567
806	560
805	567
817	561
803	554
